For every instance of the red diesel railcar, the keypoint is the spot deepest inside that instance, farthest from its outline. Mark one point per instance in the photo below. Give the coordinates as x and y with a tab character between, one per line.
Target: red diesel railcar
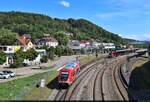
68	73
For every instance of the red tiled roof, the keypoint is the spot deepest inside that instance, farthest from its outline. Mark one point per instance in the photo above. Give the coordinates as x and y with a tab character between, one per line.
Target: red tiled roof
50	40
24	42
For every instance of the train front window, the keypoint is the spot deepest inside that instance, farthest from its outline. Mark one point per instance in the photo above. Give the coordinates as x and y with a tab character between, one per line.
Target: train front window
64	76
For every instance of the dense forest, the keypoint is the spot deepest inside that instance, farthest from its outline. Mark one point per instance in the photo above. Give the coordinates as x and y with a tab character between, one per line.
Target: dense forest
38	24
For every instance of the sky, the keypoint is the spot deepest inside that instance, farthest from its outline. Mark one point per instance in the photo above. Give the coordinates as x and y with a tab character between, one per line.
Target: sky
127	18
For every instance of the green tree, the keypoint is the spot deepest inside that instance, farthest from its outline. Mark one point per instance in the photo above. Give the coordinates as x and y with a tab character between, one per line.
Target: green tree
18	59
2	57
31	54
22	29
37	24
7	37
67	51
44	59
62	38
52	52
45	47
59	50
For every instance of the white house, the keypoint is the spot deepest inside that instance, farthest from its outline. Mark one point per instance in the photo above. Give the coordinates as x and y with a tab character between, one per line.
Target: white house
9	51
82	44
51	42
108	46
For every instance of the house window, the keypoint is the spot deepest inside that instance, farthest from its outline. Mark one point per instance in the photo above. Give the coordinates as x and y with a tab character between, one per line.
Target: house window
1	48
5	48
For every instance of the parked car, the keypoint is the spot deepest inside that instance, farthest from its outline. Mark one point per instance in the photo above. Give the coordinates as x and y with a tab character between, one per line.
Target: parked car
12	74
25	64
4	76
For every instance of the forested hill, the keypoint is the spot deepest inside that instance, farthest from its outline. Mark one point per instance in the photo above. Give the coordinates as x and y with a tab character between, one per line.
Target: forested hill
38	24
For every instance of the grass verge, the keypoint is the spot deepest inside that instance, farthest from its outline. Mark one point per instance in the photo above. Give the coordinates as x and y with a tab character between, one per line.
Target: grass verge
11	89
49	67
89	58
43	93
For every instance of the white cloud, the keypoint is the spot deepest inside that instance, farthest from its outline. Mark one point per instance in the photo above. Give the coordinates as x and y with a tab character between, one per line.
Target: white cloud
120	35
138	36
65	3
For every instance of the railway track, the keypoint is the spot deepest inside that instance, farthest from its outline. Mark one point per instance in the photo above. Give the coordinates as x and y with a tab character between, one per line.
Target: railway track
63	94
98	93
119	84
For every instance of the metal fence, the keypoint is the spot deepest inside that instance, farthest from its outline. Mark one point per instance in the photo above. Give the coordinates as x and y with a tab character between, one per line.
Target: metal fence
27	90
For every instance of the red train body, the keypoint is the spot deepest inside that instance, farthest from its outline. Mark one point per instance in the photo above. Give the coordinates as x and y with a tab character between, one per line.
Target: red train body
120	52
111	54
68	73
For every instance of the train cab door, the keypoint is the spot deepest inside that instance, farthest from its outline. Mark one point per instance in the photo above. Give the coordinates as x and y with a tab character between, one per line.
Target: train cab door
74	75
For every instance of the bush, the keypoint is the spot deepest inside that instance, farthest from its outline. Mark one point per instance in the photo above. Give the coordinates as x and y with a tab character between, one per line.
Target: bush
31	54
67	51
2	57
59	50
44	59
18	57
51	52
16	65
51	55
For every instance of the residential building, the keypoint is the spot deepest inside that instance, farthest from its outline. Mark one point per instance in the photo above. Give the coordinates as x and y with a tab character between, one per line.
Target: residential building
69	34
47	42
26	43
51	42
82	44
46	35
9	51
129	46
74	43
108	46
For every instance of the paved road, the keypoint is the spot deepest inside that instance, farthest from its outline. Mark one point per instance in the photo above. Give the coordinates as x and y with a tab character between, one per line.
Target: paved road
29	71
